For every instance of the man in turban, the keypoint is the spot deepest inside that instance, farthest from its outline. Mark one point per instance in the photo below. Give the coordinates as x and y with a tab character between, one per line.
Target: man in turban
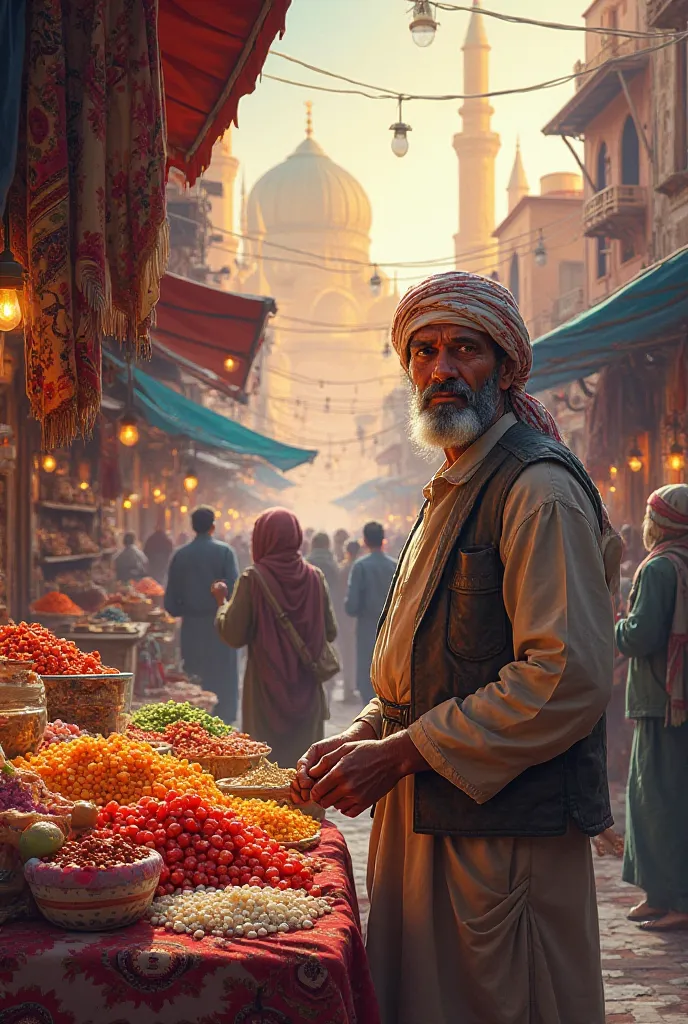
654	637
484	749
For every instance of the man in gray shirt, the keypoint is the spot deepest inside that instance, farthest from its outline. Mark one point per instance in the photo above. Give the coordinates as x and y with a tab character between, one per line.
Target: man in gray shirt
131	563
369	583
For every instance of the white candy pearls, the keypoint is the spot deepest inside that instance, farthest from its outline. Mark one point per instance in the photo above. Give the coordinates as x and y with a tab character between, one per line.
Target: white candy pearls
237	912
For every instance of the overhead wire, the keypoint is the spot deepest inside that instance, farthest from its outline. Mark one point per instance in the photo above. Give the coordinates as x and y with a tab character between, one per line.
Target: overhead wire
400	264
517	19
399	94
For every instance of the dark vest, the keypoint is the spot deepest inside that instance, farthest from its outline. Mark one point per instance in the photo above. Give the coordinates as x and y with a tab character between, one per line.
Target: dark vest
463	638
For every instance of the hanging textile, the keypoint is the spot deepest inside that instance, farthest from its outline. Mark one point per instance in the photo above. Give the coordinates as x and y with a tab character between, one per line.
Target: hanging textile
12	25
88	203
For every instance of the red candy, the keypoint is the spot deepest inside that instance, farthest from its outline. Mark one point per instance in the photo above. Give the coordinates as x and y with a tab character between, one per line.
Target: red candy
205	845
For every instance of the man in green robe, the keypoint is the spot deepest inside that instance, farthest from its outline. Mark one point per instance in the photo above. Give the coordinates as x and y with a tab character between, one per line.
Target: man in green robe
654	637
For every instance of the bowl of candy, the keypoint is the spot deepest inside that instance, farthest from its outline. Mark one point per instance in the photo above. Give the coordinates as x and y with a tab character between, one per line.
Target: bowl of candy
96	882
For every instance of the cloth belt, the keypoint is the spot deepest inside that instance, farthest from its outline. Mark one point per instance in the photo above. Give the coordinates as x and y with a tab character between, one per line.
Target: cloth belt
396	714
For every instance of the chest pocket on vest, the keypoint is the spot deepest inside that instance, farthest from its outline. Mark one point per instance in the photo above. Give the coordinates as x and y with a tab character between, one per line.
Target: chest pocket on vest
477	617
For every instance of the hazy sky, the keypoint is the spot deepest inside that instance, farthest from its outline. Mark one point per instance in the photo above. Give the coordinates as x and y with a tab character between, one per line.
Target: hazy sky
414	199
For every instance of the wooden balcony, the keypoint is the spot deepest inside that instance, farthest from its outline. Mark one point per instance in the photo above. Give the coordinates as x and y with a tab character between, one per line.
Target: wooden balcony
615	212
567	306
667	13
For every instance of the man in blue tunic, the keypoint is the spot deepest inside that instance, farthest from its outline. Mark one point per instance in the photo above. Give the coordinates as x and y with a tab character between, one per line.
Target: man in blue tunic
369	583
193	570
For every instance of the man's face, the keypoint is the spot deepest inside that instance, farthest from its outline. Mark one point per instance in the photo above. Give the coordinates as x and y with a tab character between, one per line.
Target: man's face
458	384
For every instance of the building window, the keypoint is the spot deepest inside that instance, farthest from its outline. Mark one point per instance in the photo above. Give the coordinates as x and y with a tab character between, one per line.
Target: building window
602	254
627	251
602	177
681	50
514	278
630	154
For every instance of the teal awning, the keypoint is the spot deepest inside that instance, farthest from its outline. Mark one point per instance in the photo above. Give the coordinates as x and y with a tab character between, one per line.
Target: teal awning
362	494
267	477
178	416
651	309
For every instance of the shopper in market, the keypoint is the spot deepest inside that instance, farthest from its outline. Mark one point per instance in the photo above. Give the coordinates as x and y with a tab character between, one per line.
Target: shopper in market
484	749
130	563
193	570
654	637
346	639
283	703
367	591
158	550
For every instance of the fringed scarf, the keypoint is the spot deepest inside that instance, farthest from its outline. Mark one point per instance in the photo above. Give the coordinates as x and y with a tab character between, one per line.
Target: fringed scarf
88	202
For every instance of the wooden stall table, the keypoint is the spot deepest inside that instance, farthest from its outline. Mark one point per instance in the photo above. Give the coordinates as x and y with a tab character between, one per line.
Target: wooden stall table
118	650
140	975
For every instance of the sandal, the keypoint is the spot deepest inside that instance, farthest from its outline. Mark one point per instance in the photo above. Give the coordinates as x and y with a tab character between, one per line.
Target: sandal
643	912
667	923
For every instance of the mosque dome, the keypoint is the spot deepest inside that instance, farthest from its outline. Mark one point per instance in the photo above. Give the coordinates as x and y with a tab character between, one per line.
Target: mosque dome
309	193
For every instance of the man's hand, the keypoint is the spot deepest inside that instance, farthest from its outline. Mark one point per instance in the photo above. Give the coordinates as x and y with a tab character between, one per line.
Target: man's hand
220	592
355	775
304	782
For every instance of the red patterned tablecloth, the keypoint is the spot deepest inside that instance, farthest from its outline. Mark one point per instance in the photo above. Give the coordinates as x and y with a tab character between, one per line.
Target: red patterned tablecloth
140	976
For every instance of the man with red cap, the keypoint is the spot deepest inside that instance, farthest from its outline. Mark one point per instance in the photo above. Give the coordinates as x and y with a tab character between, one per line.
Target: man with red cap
484	748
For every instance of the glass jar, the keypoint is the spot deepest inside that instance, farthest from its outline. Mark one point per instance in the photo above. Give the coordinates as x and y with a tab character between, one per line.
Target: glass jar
96	703
23	709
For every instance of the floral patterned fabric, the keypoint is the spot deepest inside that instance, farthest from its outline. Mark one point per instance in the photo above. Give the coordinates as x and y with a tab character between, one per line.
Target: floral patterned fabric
88	201
141	976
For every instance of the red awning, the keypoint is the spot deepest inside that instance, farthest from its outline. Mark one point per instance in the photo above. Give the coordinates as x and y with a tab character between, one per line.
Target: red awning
215	330
212	54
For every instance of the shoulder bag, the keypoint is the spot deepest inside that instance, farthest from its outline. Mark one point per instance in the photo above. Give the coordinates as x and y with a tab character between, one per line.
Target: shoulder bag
327	665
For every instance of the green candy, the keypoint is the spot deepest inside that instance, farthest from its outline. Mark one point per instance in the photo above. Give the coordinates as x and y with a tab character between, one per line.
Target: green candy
154	718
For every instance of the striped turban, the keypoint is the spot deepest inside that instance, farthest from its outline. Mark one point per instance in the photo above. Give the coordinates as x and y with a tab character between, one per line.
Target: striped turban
667	507
470	300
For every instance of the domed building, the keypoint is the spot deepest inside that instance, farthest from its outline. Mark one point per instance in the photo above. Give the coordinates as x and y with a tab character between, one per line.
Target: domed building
306	227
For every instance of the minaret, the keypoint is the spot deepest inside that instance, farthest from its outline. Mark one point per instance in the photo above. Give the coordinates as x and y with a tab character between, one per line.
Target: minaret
476	147
219	181
518	183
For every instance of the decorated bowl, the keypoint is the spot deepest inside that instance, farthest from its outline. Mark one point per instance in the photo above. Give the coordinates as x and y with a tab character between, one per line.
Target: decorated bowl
229	767
91	899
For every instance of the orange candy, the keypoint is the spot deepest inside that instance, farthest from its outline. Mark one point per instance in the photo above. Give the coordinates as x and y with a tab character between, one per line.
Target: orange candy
101	770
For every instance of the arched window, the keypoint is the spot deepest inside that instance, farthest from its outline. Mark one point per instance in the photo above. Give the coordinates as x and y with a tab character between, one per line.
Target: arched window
514	278
630	154
602	167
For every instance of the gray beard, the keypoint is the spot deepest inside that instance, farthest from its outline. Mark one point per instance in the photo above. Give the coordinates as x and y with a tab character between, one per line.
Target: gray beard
445	426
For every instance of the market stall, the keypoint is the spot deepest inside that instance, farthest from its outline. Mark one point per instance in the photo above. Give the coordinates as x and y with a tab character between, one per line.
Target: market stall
154	863
318	976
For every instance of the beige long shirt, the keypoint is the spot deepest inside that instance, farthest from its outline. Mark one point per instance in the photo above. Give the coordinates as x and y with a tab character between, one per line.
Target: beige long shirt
499	930
556	597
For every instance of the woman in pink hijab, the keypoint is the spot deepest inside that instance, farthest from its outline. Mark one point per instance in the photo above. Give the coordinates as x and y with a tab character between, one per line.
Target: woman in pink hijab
283	703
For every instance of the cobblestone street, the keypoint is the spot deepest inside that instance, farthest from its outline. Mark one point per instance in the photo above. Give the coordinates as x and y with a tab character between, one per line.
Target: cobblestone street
645	976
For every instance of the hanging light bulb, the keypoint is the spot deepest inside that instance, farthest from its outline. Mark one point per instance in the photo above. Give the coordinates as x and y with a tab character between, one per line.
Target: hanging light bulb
423	25
126	503
230	364
183	509
10	310
190	481
375	282
128	430
49	463
11	283
635	459
400	143
676	459
613	472
540	252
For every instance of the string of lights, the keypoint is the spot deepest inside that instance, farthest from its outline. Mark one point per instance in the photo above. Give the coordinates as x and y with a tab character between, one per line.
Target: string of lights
407	265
